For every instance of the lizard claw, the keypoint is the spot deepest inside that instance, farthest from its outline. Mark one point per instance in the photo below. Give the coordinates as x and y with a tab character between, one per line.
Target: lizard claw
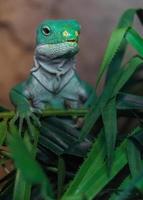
29	117
21	120
36	120
14	119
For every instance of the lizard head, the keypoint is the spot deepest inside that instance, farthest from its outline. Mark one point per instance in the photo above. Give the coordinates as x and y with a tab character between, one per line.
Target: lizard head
57	38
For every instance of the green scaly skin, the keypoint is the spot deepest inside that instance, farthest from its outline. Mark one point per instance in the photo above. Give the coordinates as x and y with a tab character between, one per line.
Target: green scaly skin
53	81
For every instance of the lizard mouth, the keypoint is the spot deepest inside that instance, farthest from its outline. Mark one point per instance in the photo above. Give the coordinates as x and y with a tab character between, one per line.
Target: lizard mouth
72	41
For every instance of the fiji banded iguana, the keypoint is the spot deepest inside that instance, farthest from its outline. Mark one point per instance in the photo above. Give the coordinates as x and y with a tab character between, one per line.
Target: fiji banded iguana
54	82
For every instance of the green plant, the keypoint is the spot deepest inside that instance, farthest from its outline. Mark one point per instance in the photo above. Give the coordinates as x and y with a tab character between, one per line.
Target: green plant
112	152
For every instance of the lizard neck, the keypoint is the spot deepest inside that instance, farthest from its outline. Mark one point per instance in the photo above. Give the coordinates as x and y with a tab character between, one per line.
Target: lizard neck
53	66
46	71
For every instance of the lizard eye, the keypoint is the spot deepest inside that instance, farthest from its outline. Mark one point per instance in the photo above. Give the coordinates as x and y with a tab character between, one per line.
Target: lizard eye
46	30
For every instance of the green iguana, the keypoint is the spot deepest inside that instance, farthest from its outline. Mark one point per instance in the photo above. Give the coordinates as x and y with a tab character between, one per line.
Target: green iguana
53	82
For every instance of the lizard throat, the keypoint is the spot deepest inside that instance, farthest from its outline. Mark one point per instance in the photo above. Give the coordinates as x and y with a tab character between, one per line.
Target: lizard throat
47	72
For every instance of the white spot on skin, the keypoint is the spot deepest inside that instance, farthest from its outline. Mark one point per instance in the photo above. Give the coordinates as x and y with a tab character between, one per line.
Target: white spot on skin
65	33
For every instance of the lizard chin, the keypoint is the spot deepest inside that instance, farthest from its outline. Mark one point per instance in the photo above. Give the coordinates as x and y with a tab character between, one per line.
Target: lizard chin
51	51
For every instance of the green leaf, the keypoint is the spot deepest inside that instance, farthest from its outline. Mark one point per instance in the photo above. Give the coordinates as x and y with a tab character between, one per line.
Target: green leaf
90	181
29	168
129	101
134	159
109	116
114	85
93	162
128	17
93	175
117	44
113	46
125	21
3	131
137	139
35	132
129	184
122	186
76	197
61	175
22	186
135	40
22	189
136	182
127	73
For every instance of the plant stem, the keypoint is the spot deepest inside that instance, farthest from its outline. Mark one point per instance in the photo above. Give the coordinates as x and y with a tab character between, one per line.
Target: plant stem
51	112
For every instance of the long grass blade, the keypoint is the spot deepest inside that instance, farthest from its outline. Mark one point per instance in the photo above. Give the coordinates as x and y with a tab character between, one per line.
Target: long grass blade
134	159
114	44
136	182
93	162
97	178
22	189
128	101
28	167
135	40
117	44
61	176
112	88
128	17
89	174
122	186
109	116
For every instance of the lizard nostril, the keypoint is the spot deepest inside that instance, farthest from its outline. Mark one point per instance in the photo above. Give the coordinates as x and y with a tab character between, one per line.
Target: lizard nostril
65	33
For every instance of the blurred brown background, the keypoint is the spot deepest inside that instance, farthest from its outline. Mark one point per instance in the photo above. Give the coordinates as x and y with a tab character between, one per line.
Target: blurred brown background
19	18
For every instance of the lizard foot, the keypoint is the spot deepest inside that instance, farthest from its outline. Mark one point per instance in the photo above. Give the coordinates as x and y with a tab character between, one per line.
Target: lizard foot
26	115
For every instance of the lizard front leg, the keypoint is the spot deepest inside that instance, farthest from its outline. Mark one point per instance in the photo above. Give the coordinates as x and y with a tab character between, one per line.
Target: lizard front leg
24	109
